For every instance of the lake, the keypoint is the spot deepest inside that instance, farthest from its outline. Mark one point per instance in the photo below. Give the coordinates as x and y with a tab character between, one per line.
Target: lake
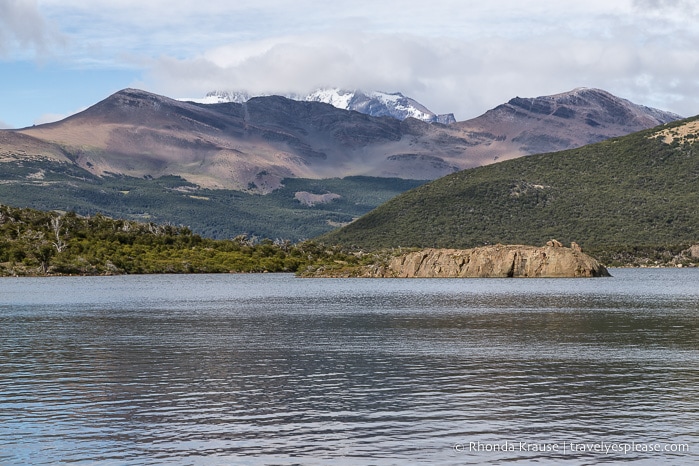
270	369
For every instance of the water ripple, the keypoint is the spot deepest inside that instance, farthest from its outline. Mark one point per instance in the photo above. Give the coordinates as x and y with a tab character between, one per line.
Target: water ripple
272	370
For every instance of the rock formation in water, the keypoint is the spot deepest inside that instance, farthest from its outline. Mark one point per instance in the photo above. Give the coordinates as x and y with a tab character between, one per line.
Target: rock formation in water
498	261
552	260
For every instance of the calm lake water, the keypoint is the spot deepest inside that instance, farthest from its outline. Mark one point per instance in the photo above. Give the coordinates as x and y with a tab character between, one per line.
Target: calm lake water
272	369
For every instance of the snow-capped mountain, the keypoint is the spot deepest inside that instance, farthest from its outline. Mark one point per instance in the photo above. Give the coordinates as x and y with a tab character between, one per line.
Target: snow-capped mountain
257	144
375	103
220	97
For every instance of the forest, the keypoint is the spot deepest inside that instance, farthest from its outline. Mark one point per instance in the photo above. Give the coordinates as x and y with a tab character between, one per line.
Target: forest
34	242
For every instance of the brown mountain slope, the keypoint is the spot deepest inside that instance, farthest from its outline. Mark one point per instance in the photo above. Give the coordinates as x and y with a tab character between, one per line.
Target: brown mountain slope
257	144
572	119
239	146
16	146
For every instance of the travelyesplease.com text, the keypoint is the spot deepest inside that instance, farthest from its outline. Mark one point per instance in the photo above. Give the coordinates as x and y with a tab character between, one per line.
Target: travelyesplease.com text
572	447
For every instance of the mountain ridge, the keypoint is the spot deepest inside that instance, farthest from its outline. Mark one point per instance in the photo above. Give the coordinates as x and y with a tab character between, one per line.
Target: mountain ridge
565	120
254	145
144	156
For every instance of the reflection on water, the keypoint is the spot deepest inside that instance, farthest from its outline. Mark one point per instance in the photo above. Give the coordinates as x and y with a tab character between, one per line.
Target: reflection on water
270	369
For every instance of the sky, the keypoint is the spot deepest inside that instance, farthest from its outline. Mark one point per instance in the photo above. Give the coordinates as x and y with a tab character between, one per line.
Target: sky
58	57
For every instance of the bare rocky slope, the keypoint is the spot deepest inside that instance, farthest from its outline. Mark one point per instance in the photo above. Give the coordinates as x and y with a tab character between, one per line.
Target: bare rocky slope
255	145
557	122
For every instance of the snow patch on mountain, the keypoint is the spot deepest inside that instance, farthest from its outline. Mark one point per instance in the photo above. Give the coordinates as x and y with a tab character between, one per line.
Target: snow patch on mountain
336	97
220	97
394	105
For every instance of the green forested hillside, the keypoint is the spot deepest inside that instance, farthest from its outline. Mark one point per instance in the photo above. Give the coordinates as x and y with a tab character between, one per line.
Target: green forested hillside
48	185
638	191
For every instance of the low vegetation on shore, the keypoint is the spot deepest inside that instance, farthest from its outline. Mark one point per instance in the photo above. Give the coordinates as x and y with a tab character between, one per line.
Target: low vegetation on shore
35	242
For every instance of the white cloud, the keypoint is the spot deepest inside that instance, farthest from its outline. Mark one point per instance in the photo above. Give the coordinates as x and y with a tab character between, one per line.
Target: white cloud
465	77
453	56
24	31
665	6
4	125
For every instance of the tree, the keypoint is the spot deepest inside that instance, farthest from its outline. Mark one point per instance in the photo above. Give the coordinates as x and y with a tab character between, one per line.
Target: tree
56	224
43	255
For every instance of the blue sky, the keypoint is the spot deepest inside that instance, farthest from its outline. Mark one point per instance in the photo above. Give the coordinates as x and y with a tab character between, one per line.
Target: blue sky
58	57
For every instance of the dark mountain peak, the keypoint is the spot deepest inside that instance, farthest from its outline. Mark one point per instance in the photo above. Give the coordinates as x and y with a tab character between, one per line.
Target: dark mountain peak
595	106
577	96
135	98
136	107
138	93
563	121
129	101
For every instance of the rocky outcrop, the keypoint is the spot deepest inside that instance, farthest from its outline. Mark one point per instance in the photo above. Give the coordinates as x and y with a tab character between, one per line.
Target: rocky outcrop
499	261
310	199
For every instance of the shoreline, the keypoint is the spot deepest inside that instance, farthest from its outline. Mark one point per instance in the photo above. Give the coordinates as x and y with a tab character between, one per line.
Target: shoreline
59	275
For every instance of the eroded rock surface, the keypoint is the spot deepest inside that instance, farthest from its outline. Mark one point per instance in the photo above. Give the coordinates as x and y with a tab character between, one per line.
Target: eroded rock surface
499	261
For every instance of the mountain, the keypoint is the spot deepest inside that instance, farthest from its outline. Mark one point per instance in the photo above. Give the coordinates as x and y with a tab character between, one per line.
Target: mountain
222	97
394	105
557	122
628	192
250	146
144	156
253	146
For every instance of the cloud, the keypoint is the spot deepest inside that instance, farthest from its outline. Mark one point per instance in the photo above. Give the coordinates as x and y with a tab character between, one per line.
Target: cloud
114	29
4	125
450	57
23	29
646	5
465	77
